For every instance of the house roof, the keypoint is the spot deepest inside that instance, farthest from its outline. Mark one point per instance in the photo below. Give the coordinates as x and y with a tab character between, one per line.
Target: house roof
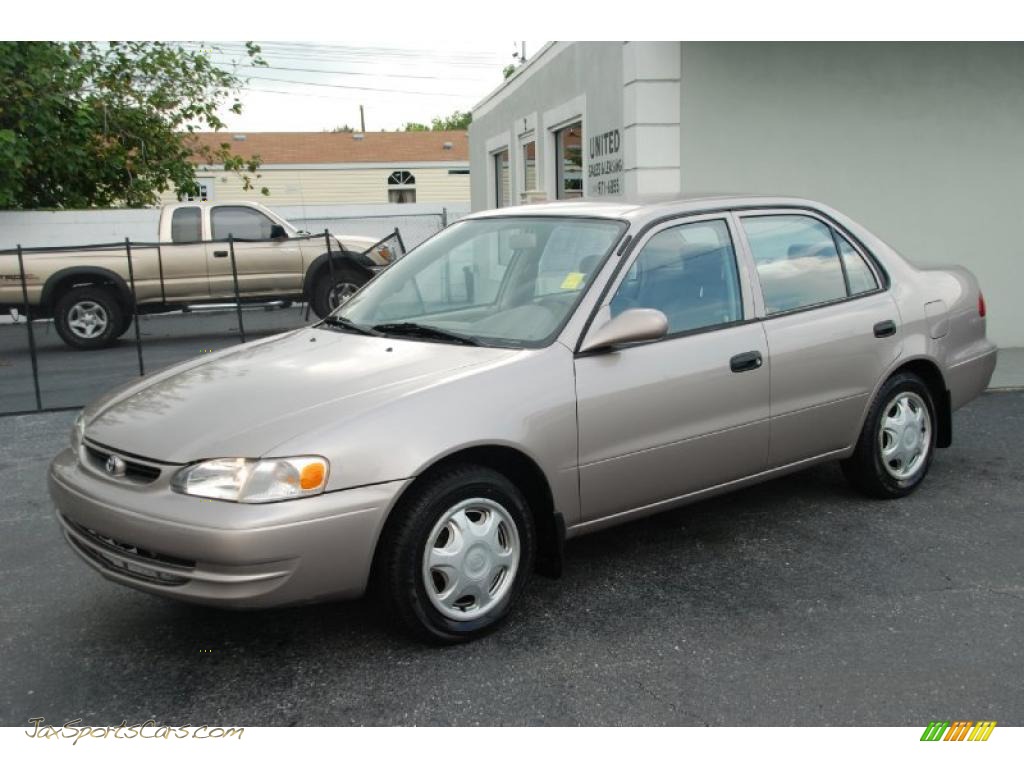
279	148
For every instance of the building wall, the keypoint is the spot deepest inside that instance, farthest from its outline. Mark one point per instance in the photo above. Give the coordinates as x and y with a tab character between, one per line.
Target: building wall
921	143
329	184
566	82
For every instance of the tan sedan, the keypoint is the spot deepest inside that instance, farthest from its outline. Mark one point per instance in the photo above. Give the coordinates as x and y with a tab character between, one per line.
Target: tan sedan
526	376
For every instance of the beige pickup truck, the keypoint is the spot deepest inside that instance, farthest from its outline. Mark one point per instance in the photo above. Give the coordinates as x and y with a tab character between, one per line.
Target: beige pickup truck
88	292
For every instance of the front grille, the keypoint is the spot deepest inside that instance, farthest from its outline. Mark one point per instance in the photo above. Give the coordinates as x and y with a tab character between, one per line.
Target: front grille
123	548
128	568
136	471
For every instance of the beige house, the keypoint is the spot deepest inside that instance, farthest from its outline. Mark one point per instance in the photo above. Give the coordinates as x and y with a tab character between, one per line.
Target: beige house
317	168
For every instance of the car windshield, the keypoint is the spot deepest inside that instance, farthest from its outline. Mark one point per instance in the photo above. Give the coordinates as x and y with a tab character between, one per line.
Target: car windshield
509	281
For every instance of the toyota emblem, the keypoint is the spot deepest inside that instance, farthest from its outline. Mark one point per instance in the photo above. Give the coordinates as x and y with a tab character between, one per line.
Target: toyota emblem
115	466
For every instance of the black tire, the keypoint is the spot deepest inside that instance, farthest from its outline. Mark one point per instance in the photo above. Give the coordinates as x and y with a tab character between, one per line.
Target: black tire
101	297
343	276
866	469
399	572
126	323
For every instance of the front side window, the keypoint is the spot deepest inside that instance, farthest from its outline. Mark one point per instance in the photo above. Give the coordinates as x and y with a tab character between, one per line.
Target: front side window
569	161
797	262
509	281
186	225
502	180
688	272
240	222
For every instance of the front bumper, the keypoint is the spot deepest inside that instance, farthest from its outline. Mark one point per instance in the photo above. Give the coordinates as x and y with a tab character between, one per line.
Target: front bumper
217	552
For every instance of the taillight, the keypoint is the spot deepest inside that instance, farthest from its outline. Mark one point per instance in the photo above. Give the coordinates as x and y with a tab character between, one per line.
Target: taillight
981	304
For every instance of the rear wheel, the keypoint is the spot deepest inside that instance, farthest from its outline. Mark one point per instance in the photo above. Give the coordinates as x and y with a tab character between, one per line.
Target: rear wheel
328	295
89	317
456	555
897	443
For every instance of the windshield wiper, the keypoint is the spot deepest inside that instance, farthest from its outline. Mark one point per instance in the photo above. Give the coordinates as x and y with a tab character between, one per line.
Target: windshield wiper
337	321
425	332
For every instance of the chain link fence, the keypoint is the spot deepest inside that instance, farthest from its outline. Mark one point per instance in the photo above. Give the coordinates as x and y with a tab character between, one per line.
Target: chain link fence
135	307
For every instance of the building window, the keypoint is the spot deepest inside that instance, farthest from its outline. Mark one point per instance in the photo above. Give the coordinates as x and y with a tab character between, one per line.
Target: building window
502	180
401	187
569	161
205	191
529	165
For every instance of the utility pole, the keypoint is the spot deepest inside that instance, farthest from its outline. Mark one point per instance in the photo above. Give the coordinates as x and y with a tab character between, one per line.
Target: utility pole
362	120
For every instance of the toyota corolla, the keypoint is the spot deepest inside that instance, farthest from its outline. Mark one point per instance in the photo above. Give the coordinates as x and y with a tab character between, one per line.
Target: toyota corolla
526	376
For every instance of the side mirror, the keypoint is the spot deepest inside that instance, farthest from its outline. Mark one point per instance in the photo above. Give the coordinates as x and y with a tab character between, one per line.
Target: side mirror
631	325
277	232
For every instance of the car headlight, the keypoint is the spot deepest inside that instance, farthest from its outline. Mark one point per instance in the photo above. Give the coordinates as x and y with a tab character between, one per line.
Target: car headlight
78	432
254	481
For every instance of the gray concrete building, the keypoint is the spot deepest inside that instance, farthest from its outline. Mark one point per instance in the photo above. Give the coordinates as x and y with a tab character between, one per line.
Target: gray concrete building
923	143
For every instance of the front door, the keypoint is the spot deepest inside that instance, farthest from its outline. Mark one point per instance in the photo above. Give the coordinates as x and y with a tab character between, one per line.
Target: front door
265	267
832	331
661	420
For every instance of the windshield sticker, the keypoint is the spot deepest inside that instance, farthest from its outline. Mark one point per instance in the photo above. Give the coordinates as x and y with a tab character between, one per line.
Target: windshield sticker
572	281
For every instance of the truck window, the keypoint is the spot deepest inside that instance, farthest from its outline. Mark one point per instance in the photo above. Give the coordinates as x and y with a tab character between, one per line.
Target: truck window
240	222
186	225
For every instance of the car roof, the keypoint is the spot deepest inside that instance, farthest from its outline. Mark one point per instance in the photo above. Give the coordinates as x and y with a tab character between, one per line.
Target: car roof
650	208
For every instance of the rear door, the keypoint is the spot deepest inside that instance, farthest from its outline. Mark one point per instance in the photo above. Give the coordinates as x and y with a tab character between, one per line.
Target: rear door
660	420
832	330
183	260
265	267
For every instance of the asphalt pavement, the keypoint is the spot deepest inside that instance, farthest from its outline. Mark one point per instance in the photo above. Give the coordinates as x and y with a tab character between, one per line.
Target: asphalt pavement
795	602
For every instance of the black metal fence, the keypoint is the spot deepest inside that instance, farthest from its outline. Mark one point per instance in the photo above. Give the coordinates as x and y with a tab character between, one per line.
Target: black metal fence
39	372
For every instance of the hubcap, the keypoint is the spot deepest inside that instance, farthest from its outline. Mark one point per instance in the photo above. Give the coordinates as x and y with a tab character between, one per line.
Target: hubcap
87	319
471	559
904	437
341	293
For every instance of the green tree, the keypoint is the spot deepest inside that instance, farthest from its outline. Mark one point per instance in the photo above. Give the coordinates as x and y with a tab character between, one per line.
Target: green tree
456	121
103	124
346	128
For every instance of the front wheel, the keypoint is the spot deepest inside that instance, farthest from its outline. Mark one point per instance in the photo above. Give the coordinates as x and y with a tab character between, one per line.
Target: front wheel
328	295
456	555
897	443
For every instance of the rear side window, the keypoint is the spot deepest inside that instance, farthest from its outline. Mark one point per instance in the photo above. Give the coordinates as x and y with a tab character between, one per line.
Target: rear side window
186	225
862	279
797	262
240	222
689	273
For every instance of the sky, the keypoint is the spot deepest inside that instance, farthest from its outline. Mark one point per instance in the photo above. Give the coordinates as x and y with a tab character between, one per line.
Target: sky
316	86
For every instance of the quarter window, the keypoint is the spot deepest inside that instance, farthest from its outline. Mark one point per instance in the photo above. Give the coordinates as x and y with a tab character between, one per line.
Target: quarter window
569	161
689	273
186	225
797	262
239	222
862	279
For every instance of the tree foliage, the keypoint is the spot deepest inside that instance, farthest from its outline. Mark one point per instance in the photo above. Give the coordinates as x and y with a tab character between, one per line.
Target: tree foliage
104	124
456	121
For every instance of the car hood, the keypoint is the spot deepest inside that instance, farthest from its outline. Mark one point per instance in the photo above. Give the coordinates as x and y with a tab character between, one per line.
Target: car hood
246	400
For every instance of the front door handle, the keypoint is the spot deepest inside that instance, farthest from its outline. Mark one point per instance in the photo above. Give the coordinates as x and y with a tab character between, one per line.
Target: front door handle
885	328
220	254
746	361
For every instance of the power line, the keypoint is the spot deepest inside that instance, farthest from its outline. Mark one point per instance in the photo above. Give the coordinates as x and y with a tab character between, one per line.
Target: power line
356	87
344	72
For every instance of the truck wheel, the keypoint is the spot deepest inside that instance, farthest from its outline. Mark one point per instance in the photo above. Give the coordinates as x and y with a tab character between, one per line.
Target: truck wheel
89	317
456	554
328	297
897	442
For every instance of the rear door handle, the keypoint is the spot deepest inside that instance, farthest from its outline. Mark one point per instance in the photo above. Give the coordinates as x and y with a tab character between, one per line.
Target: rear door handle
220	254
746	361
885	328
